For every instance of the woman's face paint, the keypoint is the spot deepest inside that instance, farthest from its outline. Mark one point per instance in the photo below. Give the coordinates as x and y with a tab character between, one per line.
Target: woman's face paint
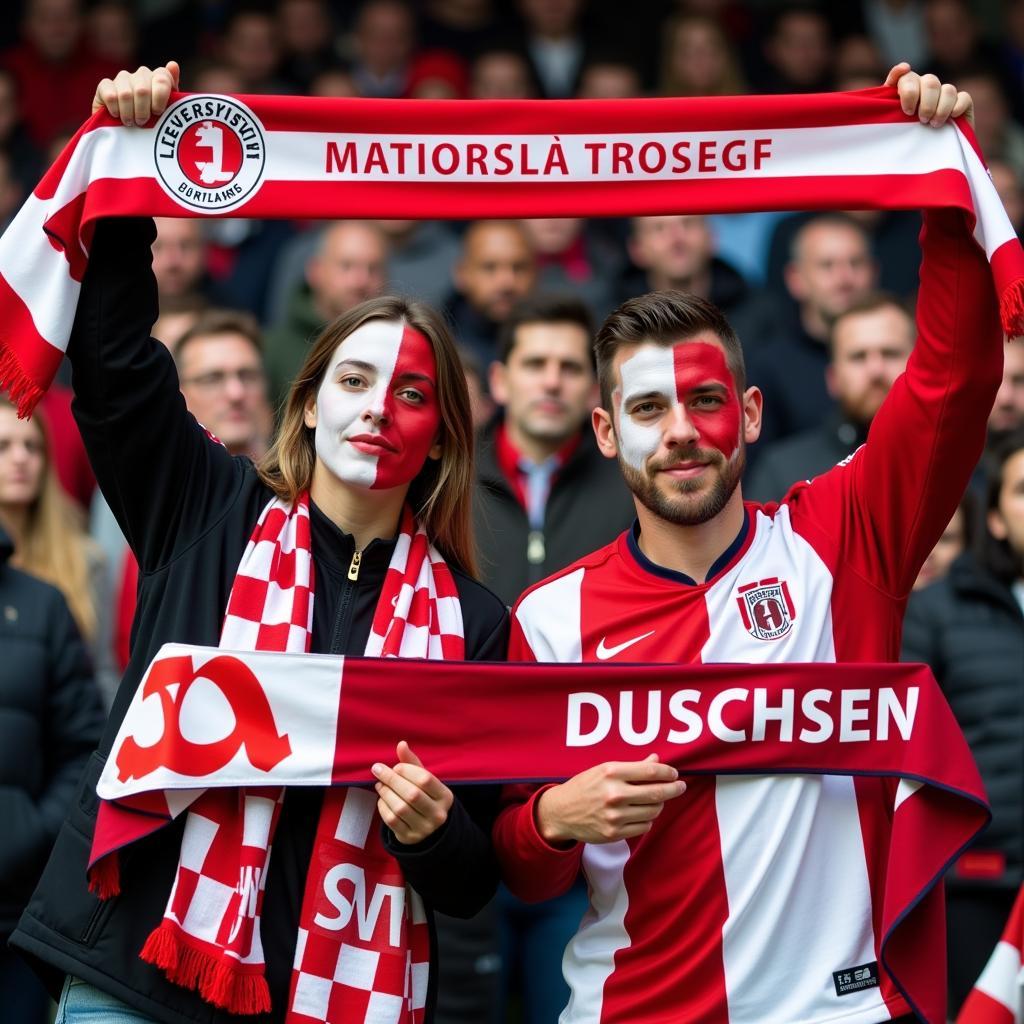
684	396
377	414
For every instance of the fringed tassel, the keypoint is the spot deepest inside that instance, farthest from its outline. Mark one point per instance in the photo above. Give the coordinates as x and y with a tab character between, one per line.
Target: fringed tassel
1011	309
105	877
24	393
216	980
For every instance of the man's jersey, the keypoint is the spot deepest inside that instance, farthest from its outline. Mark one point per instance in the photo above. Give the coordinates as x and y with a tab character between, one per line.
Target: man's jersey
752	899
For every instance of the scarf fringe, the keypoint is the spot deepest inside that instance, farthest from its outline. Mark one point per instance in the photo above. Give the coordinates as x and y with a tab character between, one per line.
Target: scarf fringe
1011	309
23	392
105	877
215	980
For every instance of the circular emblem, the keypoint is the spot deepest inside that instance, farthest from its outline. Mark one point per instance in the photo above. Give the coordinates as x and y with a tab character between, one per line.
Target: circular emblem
210	153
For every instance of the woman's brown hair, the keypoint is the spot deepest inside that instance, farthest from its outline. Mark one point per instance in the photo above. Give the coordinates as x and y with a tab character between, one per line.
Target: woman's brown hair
440	495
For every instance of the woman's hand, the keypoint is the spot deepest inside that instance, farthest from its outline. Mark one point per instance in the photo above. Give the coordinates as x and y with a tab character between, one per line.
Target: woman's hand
931	100
413	803
133	97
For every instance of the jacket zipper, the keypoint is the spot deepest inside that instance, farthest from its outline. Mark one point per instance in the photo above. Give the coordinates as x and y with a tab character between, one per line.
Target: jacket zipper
353	569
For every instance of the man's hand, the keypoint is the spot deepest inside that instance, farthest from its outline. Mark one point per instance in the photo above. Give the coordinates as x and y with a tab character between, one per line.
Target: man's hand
932	101
412	802
135	96
615	800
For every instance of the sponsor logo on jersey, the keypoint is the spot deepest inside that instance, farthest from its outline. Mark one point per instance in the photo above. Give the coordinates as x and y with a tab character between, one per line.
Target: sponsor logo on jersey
604	652
856	979
766	608
210	153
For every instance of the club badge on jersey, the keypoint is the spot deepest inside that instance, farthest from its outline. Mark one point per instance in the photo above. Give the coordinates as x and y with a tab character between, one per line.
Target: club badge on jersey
766	608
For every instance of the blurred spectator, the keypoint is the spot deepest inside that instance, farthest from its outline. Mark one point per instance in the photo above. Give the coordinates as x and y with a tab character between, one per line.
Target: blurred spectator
113	33
251	48
66	447
44	527
221	375
307	41
170	326
678	253
545	497
25	157
953	39
12	190
609	79
573	257
957	536
462	26
502	74
54	67
859	63
830	269
1008	183
969	628
998	134
1007	413
496	269
698	59
897	28
347	267
798	51
334	82
555	43
383	42
869	346
421	254
50	720
437	75
213	76
179	261
481	405
1012	55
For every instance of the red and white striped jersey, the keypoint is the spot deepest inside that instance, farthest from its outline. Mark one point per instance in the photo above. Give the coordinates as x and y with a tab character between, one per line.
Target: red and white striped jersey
752	899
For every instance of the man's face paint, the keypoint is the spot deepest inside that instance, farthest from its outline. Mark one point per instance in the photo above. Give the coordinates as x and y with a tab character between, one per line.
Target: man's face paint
377	413
678	425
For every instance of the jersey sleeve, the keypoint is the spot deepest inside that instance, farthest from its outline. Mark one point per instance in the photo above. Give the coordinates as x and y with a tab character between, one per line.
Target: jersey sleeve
883	509
531	867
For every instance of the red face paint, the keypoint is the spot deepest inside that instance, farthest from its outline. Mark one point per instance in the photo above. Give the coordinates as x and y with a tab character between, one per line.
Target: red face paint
707	390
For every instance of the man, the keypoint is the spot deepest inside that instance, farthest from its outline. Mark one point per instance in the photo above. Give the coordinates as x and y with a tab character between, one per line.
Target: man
383	40
1008	409
678	252
346	268
545	495
739	901
220	371
496	269
830	269
179	262
870	344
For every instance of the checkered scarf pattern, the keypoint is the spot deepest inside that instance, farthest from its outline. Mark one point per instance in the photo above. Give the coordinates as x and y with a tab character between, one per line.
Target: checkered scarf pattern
372	966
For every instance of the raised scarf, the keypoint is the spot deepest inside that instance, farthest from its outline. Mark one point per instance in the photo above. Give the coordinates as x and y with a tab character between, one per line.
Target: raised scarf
272	156
537	722
209	937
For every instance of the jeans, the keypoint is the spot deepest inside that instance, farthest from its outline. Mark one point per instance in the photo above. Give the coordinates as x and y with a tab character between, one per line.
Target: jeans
82	1003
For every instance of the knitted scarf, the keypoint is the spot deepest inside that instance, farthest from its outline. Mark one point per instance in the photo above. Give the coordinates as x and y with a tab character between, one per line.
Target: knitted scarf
345	972
293	157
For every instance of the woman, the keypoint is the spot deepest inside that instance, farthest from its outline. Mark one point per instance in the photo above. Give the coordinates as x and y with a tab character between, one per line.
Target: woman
698	59
373	460
41	523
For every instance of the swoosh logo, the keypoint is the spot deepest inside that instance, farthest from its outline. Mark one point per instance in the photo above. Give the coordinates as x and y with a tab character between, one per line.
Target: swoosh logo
604	652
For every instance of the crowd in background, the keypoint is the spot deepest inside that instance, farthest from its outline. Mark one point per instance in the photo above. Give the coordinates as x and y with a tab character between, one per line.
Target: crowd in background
822	302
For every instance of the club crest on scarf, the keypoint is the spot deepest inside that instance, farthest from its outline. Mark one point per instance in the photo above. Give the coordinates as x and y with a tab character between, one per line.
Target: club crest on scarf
210	152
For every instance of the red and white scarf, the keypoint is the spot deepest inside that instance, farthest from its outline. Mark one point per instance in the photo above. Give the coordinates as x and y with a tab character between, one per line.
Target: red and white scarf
293	157
998	994
209	939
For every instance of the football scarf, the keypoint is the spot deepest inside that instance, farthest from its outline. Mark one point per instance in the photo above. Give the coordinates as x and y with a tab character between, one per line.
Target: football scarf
209	940
543	722
272	156
998	994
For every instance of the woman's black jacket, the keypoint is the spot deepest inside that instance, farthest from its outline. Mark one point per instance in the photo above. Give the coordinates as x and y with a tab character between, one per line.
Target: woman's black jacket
187	509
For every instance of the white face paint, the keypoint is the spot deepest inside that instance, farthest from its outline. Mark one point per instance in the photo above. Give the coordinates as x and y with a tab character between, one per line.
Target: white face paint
651	372
364	434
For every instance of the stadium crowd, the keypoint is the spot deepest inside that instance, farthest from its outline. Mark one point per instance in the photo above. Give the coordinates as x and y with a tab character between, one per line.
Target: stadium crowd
822	302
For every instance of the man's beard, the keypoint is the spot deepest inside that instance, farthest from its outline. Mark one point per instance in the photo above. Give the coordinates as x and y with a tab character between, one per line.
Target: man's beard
702	509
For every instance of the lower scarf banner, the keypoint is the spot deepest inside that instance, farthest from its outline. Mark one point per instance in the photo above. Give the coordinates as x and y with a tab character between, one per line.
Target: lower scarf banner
207	718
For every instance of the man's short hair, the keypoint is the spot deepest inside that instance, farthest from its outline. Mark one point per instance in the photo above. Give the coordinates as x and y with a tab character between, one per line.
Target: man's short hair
221	321
831	218
551	308
664	318
870	303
